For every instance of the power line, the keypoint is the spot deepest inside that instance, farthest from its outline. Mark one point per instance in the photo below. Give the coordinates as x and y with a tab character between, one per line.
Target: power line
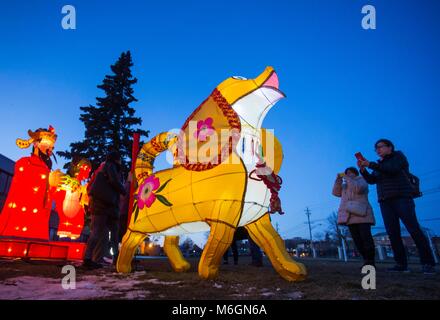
287	234
430	219
429	173
431	191
313	221
300	225
323	206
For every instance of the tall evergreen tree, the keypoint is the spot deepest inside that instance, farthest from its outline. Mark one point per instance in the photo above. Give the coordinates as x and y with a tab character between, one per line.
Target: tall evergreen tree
111	123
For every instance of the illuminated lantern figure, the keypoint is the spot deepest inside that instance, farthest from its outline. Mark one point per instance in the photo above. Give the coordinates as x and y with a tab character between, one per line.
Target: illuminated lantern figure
222	179
70	199
27	208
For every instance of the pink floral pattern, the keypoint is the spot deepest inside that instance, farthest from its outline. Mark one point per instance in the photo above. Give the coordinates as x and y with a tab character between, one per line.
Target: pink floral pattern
204	129
145	196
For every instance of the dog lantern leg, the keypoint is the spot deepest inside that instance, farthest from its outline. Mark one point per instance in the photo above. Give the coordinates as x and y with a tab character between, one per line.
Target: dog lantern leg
227	214
265	236
220	238
172	250
130	242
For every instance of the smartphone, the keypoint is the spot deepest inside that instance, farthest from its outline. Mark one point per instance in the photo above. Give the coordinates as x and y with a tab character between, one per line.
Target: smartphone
359	156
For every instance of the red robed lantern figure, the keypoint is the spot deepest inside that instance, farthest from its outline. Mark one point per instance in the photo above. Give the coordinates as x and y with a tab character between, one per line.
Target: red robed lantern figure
27	208
70	199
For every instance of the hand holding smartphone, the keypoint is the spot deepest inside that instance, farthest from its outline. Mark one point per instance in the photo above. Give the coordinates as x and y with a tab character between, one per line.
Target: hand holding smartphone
360	159
359	156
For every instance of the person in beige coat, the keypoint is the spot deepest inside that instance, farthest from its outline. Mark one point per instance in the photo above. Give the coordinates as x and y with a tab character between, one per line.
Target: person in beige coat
355	211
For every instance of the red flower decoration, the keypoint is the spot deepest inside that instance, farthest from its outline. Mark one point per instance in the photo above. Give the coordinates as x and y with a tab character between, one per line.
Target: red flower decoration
146	197
204	129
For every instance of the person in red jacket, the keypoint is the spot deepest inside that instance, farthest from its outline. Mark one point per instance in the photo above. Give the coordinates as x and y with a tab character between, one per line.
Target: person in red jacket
27	208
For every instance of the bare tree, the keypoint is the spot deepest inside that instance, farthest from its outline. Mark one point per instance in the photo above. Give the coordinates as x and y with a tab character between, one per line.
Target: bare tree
335	231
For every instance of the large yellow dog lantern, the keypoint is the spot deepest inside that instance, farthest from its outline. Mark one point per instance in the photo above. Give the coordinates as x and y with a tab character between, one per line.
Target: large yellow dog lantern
222	178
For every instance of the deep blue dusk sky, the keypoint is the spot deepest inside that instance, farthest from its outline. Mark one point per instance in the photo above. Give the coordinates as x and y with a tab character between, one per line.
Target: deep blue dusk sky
346	87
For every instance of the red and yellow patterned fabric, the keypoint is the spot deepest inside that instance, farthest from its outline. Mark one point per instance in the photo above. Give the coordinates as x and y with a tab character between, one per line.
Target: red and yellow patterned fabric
213	119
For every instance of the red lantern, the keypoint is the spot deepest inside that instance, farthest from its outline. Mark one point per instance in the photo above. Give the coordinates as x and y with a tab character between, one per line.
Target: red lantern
27	208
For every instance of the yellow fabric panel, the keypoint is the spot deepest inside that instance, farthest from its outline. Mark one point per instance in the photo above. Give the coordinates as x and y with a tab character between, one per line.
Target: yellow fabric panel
180	178
205	207
226	186
187	213
163	220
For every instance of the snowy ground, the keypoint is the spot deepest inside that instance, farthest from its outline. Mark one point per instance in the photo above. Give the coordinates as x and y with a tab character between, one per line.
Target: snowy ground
154	280
88	287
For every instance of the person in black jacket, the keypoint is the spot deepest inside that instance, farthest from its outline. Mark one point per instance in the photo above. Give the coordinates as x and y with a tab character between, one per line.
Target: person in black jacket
395	194
104	194
241	234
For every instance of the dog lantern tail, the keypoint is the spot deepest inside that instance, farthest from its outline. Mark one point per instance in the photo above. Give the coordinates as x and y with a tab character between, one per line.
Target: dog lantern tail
149	152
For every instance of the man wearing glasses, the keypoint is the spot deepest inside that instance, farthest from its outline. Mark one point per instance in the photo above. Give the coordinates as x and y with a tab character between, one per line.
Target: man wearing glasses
395	194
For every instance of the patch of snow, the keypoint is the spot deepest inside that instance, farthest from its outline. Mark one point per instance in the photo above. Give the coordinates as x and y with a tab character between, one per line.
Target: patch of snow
239	295
218	286
39	288
137	294
157	281
295	295
87	287
267	294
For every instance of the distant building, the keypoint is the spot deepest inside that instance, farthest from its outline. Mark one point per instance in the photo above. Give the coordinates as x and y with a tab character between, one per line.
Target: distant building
382	239
6	174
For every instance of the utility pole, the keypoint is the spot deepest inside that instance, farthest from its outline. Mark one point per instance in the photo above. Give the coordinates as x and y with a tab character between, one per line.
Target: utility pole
344	249
308	213
340	235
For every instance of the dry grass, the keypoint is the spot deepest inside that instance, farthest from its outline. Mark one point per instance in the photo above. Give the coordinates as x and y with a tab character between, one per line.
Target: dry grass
327	280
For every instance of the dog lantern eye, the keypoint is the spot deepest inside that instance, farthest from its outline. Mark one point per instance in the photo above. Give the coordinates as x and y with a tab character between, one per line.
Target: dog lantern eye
239	78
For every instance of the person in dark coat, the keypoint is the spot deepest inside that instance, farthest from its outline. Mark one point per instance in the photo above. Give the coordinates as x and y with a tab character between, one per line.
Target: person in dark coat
256	255
240	234
395	194
104	194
